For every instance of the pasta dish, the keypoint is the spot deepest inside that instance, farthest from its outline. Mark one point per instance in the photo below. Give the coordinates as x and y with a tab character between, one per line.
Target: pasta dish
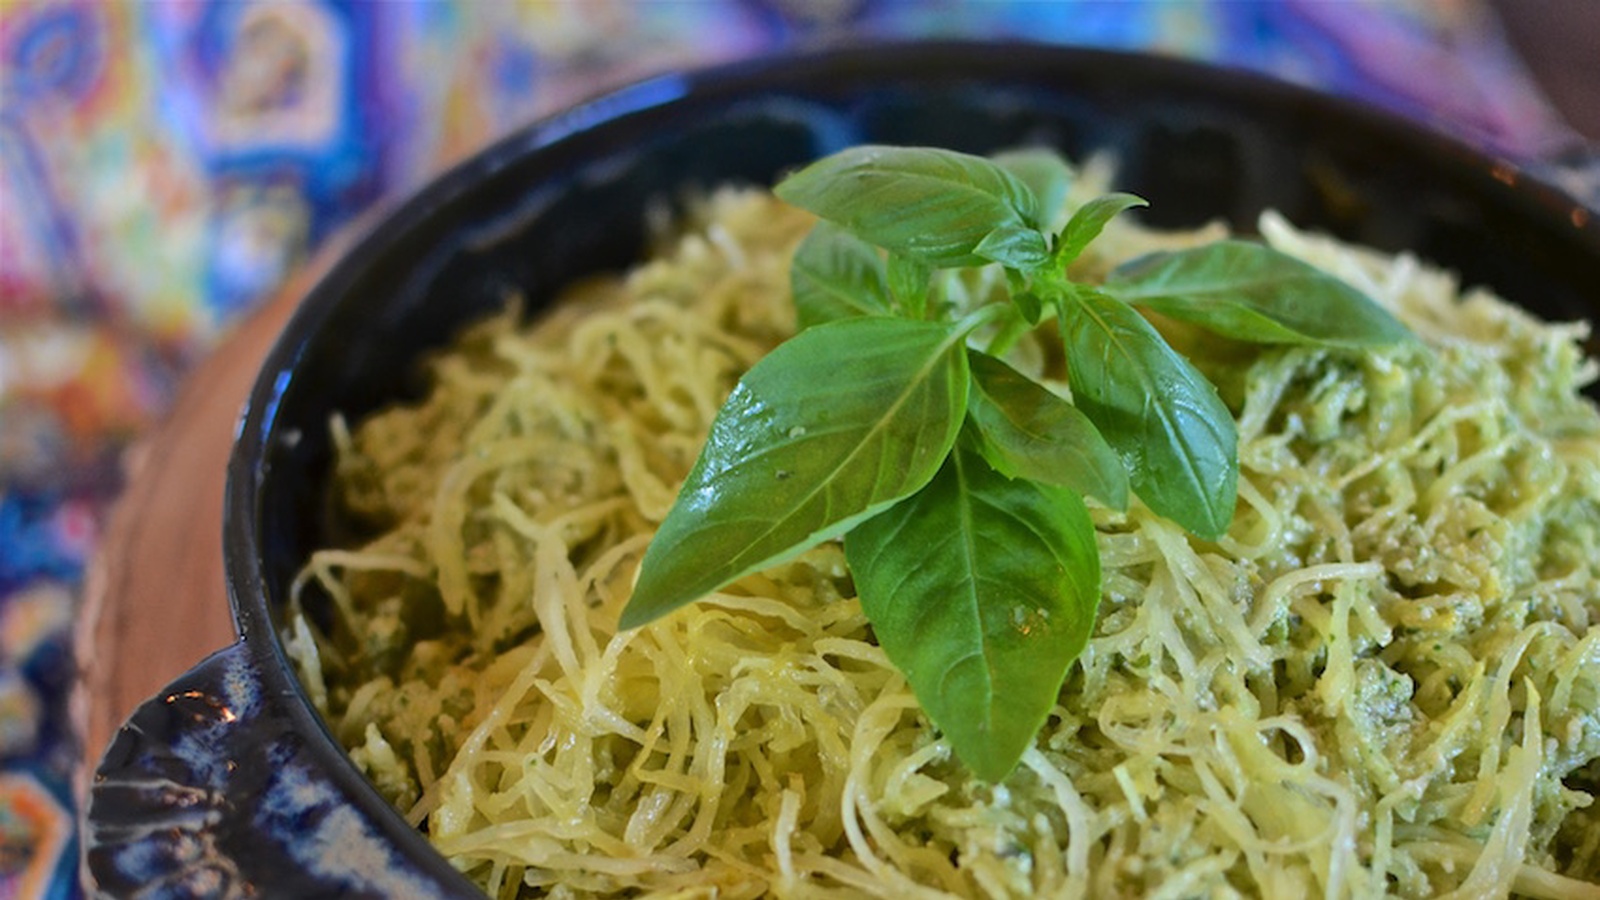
1383	680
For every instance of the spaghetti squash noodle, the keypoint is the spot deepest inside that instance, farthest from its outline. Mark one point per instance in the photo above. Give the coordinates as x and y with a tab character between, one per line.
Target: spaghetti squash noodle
1384	680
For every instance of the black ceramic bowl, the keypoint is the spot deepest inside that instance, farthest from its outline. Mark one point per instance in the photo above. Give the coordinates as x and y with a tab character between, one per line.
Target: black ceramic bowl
229	783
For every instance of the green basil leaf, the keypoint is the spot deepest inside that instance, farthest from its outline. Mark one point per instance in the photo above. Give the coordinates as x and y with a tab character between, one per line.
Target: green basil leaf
1177	439
1016	280
1025	431
908	283
1250	291
982	590
1089	220
1029	305
831	427
941	207
1045	173
836	275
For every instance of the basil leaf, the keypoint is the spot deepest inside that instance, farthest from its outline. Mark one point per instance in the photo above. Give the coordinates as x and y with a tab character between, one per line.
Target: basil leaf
1089	220
982	591
1177	439
1250	291
831	427
1024	431
908	283
1045	173
1029	305
941	207
836	275
1023	297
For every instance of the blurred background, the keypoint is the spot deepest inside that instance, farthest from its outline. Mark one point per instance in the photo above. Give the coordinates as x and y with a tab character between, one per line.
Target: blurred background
166	165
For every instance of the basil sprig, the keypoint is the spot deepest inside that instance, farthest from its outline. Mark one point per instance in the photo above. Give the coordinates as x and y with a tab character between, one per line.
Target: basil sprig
955	481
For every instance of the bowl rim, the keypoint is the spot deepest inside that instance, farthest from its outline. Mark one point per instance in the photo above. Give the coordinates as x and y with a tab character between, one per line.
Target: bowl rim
981	62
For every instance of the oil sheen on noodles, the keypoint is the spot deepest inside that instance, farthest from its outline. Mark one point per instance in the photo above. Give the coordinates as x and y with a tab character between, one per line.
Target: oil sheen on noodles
1384	680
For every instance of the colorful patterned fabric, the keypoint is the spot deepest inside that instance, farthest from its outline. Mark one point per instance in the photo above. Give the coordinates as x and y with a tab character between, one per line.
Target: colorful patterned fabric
164	165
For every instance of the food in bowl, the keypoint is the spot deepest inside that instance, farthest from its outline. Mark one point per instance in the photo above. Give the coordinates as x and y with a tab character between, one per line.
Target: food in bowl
1381	678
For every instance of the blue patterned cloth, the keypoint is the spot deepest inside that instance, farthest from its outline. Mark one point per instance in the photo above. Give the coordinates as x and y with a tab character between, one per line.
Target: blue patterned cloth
166	165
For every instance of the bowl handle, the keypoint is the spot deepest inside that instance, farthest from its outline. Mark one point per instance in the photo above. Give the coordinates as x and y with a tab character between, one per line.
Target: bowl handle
209	790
